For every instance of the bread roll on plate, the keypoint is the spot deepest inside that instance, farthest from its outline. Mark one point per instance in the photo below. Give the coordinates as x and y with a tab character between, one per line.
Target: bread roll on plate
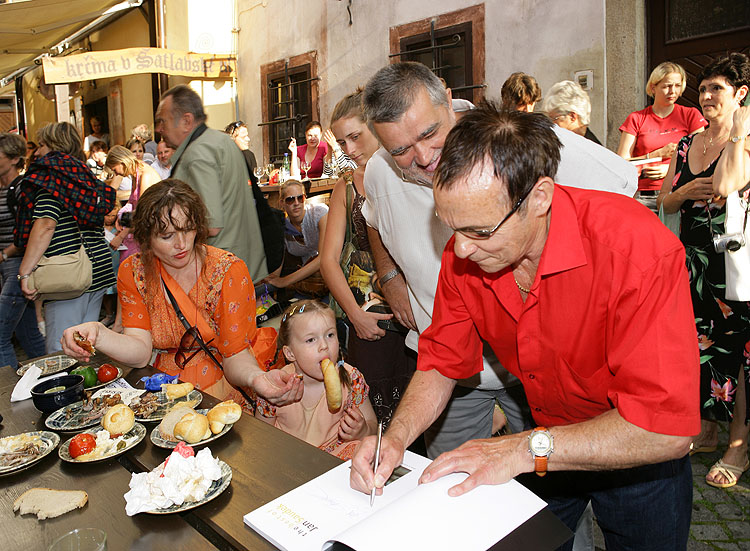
332	383
223	414
192	428
118	419
174	391
166	427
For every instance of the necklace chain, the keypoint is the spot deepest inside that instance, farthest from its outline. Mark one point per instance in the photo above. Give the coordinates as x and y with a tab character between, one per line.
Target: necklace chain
521	287
710	141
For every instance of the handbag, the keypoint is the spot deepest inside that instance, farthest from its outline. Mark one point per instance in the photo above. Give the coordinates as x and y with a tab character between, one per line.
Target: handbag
671	220
64	276
737	263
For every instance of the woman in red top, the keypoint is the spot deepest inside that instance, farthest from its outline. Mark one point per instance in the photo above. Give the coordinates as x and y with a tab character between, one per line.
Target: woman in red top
654	131
315	152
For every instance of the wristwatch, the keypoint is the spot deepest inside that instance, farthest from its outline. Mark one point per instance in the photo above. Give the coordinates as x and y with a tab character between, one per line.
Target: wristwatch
20	277
735	139
541	446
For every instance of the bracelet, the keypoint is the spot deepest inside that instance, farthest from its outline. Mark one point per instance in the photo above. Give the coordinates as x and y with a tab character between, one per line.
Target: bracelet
389	276
21	277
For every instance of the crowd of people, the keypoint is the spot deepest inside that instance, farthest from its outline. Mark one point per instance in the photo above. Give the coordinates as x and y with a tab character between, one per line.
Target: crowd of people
478	328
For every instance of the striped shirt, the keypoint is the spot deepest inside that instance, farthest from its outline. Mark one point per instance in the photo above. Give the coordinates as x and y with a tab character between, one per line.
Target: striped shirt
7	220
67	240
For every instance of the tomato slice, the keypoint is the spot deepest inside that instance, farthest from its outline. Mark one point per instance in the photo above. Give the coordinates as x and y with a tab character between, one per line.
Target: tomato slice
80	444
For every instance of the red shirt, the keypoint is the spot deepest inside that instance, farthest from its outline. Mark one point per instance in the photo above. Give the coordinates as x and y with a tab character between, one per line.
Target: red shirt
608	323
652	132
316	167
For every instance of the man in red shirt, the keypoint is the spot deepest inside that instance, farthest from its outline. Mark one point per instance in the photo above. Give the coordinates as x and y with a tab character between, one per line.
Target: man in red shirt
596	322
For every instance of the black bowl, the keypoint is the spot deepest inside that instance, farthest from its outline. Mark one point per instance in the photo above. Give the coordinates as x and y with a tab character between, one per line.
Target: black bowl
53	401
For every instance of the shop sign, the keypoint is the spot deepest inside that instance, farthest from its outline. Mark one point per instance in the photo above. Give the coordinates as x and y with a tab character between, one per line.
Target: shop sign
131	61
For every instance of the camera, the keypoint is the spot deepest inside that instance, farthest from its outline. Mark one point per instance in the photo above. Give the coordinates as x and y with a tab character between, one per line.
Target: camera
126	219
728	242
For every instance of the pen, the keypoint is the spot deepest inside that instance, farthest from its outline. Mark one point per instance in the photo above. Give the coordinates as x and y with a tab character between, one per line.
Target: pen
377	460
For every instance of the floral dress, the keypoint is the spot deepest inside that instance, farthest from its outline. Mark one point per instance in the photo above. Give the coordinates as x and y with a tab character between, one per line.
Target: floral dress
723	326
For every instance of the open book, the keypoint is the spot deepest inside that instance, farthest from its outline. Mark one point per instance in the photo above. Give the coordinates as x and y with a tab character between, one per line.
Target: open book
407	516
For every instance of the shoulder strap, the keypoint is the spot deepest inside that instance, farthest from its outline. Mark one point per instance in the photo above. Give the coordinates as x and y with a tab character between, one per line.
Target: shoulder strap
181	301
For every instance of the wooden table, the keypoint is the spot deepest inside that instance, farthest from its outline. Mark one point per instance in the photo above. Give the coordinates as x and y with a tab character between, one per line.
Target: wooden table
265	462
312	188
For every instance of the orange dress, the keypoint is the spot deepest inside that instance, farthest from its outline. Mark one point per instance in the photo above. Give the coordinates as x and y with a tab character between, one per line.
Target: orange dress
226	300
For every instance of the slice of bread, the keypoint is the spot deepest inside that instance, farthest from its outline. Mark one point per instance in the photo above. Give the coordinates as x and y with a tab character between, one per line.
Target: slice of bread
48	503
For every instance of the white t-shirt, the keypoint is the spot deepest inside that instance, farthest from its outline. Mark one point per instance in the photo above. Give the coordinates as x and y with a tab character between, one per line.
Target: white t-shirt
90	139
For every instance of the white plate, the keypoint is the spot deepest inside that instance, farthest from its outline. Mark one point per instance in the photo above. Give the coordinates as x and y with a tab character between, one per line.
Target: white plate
132	438
49	442
214	491
73	417
159	441
50	365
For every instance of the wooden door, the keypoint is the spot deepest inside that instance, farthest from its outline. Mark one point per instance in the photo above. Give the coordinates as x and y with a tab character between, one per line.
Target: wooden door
694	33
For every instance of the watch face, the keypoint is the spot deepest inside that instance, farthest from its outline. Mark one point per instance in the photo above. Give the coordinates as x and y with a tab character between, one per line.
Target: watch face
540	443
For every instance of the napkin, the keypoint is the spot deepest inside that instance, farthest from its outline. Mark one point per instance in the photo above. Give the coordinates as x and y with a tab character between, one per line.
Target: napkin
30	379
182	479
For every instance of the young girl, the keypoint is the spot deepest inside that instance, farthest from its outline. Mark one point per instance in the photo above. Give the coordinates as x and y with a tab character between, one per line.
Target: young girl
308	335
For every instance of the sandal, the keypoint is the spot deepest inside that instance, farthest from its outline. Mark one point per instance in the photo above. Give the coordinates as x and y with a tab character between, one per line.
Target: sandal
731	472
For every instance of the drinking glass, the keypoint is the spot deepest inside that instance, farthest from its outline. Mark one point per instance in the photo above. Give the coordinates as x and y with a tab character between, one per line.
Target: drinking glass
269	170
81	539
305	166
259	171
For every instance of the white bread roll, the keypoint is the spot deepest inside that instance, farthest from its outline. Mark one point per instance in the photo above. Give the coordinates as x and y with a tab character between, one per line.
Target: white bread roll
118	420
177	391
223	414
332	383
47	503
192	428
166	427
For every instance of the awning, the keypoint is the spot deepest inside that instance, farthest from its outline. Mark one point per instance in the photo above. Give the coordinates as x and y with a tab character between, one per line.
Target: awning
31	28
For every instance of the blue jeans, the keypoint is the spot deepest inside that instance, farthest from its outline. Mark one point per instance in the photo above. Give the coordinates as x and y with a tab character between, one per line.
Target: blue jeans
17	315
61	314
639	509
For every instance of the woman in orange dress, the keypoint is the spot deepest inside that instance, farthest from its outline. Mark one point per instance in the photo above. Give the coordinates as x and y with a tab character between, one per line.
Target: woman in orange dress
212	289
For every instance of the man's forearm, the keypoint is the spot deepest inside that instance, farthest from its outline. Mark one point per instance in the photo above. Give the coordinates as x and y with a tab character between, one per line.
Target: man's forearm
384	262
610	442
424	400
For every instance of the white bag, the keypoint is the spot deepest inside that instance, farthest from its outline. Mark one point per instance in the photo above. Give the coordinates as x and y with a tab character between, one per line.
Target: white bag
737	264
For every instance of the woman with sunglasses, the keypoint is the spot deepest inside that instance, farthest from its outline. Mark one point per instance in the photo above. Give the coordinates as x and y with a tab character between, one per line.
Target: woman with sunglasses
302	229
214	331
378	353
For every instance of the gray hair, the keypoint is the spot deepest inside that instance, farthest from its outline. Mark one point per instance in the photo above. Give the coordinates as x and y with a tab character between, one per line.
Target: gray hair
391	92
567	96
186	100
13	146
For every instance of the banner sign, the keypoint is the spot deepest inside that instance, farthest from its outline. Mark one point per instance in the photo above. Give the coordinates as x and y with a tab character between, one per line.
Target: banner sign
132	61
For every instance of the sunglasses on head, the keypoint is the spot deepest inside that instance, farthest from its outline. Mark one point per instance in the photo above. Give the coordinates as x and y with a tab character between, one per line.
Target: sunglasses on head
294	199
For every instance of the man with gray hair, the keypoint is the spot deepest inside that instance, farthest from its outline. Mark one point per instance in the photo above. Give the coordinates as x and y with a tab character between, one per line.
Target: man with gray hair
569	107
209	162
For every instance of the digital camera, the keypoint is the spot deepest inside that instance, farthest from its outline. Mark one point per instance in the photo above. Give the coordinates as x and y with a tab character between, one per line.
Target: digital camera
728	242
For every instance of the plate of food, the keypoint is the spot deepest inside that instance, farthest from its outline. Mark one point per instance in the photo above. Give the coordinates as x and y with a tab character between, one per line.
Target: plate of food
21	451
98	444
49	365
184	481
82	414
96	377
196	427
154	406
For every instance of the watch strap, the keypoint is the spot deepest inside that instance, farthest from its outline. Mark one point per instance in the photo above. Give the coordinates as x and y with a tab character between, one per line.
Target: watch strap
540	465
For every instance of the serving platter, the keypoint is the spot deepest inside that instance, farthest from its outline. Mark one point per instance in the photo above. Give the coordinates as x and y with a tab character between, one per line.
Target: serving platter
158	440
48	441
193	399
213	492
131	439
50	365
